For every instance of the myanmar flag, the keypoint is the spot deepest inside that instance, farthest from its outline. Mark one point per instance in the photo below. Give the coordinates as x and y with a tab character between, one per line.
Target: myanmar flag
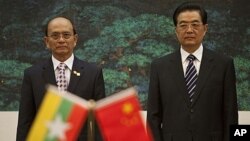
119	117
60	117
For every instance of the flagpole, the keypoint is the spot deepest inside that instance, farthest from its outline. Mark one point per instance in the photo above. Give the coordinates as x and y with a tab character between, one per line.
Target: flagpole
91	121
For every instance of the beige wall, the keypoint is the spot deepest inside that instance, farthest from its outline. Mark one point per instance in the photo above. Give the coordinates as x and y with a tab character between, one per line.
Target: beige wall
8	123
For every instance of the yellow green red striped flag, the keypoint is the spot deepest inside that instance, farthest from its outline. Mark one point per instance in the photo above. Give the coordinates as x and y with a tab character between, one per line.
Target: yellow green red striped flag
59	118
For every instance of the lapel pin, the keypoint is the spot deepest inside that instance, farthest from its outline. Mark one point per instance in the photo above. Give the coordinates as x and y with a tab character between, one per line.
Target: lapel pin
76	73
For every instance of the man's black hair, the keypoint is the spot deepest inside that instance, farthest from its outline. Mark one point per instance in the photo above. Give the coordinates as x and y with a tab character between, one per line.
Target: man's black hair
190	6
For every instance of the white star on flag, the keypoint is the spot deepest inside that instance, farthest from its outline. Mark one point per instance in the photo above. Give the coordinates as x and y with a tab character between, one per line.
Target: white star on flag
57	128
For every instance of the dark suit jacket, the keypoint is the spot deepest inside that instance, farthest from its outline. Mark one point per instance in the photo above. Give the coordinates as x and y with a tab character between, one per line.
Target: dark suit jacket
170	114
89	85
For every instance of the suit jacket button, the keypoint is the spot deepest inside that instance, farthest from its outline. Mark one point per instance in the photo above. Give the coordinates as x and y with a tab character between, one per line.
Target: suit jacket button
191	110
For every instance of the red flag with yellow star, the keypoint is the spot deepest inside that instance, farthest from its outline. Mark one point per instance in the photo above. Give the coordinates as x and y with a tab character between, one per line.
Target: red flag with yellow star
119	117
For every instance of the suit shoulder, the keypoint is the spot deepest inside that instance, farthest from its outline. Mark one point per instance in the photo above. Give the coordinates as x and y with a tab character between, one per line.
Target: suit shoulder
164	59
91	66
219	57
37	67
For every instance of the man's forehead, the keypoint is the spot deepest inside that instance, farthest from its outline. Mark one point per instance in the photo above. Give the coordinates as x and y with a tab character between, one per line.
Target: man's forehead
58	23
194	12
189	15
59	20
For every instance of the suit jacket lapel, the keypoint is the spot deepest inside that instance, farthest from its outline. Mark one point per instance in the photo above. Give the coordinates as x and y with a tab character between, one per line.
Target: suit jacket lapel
205	70
177	71
76	73
49	73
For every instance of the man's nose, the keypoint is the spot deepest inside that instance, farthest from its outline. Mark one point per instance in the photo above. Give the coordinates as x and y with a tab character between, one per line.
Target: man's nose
190	28
61	38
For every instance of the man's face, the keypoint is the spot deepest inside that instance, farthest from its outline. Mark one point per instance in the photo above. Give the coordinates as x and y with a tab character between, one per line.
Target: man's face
61	39
190	30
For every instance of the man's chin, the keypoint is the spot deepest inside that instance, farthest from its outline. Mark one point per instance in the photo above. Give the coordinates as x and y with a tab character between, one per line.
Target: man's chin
189	44
62	53
190	41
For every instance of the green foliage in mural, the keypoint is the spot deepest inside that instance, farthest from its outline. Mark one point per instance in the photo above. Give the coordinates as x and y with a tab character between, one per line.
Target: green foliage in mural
100	16
11	72
118	36
128	46
112	76
242	66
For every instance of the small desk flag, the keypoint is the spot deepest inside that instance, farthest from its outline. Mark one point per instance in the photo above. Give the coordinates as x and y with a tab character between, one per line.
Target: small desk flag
119	118
60	117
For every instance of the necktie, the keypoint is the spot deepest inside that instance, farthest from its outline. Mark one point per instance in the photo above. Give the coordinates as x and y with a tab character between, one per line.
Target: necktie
61	77
191	76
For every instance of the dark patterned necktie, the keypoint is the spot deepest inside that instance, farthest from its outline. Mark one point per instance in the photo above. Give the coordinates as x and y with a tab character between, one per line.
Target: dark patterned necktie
61	77
191	76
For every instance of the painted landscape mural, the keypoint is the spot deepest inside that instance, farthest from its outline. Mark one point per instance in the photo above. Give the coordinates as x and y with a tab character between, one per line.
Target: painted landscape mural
121	36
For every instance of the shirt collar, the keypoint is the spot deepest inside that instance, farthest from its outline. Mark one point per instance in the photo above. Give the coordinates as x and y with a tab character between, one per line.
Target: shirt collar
197	54
68	62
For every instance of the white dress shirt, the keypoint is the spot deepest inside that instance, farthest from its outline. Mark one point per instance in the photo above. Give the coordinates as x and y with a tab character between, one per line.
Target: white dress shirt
68	62
197	62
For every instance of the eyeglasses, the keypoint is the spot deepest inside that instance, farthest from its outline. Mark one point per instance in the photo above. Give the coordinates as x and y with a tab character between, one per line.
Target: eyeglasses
185	26
57	35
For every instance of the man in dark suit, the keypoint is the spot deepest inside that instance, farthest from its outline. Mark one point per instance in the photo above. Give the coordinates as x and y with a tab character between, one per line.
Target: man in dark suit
81	78
192	92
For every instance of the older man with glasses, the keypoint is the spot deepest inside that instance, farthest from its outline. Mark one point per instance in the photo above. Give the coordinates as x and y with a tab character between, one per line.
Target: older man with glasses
63	70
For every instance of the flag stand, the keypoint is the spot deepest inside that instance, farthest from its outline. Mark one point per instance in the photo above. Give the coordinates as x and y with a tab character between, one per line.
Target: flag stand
91	121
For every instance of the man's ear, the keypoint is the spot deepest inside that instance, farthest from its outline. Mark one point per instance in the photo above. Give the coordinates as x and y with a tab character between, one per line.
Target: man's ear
175	32
45	39
206	28
76	39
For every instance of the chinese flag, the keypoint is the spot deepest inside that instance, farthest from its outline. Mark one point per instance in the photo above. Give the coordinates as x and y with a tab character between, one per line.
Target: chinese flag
119	118
60	117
